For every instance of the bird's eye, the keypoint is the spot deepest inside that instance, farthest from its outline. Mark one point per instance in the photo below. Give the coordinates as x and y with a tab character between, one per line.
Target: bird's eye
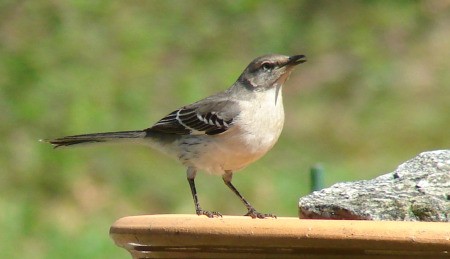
267	66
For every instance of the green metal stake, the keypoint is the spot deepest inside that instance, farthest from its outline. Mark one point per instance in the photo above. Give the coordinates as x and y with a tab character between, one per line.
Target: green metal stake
317	175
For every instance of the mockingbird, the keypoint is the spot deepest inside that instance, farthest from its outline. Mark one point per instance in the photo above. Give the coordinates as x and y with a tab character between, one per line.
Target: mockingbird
222	133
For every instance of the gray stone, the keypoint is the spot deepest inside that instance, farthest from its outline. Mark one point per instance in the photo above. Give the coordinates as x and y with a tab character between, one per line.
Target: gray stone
419	190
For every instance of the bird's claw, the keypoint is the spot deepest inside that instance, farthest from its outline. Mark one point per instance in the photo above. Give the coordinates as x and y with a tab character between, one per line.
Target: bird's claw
254	214
209	214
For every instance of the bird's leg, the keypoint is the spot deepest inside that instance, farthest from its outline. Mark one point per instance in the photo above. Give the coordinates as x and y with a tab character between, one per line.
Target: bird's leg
191	173
251	211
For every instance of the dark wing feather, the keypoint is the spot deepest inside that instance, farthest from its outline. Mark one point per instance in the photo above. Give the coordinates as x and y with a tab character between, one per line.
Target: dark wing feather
204	117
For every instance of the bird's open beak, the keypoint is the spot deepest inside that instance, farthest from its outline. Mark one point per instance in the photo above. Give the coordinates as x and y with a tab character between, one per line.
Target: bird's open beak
295	60
289	66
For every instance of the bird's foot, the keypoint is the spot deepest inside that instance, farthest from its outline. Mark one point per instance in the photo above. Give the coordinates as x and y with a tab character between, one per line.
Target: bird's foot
254	214
209	214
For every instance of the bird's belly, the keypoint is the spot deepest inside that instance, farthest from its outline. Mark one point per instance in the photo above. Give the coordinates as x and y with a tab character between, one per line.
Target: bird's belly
227	152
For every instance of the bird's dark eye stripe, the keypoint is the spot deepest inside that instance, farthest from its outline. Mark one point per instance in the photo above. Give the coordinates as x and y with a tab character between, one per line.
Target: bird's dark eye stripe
267	65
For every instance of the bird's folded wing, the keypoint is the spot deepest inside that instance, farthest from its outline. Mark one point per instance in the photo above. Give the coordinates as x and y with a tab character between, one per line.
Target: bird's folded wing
204	117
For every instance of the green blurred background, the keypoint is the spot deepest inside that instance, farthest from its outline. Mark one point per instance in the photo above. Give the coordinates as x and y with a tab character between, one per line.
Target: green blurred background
374	93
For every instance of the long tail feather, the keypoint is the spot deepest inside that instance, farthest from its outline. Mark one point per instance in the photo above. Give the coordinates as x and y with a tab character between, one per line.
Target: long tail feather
96	138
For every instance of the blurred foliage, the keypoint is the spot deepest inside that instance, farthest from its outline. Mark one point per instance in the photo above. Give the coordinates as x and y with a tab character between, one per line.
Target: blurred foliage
374	92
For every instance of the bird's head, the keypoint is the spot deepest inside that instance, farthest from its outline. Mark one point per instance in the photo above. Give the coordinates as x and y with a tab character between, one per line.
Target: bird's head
269	71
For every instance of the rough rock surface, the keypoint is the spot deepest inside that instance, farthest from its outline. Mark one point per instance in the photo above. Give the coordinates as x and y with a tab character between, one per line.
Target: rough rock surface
418	190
